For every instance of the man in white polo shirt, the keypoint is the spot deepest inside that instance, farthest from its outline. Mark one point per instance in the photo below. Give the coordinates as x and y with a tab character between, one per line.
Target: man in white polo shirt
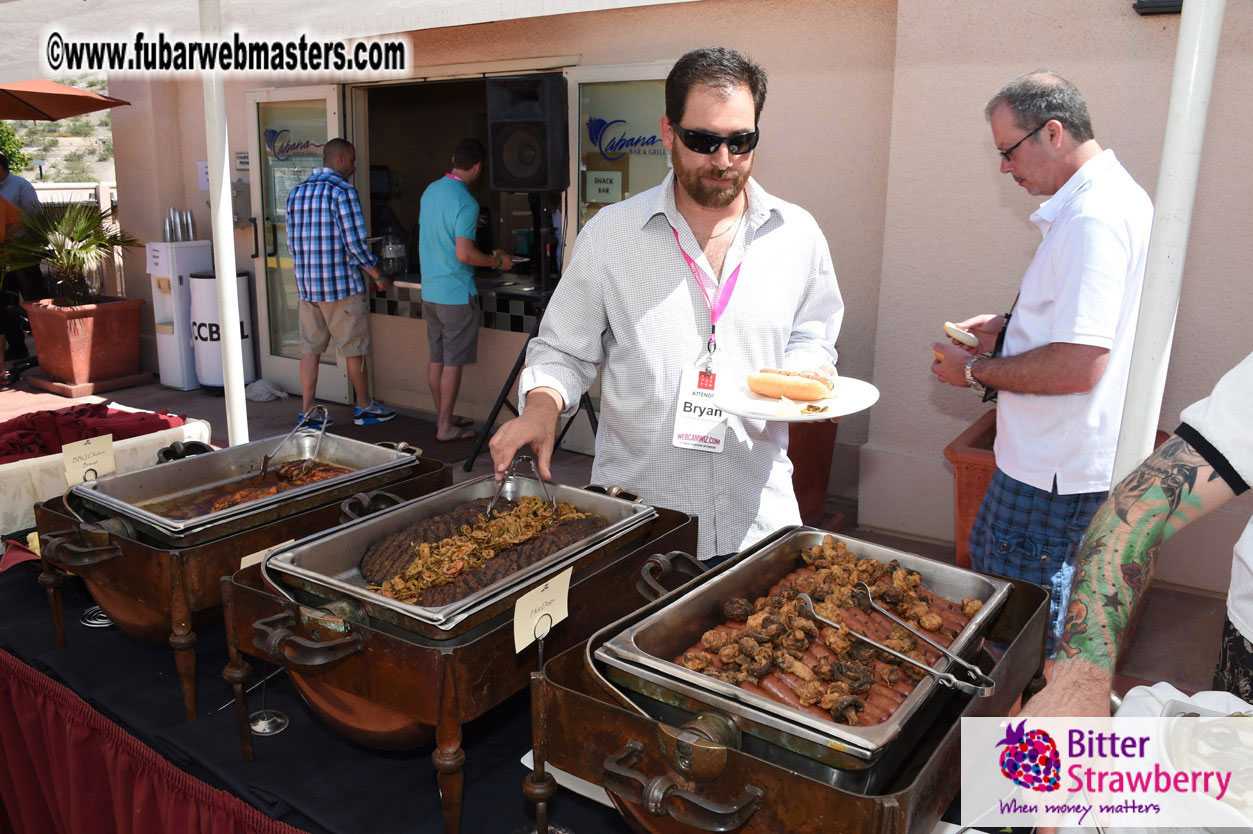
1062	376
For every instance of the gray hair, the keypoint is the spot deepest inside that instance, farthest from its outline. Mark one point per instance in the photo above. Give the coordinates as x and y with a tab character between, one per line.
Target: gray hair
1037	97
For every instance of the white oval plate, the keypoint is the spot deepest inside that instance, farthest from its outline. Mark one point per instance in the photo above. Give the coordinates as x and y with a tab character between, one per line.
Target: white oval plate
851	395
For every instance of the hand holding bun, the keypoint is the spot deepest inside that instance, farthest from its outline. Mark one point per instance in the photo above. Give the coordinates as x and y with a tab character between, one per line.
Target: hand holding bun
795	385
957	334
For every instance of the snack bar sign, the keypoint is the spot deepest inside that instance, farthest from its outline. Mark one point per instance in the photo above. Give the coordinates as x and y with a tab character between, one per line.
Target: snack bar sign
603	186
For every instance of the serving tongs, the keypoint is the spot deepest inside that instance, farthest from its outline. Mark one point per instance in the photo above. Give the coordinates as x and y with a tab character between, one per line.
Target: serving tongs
982	685
511	472
303	422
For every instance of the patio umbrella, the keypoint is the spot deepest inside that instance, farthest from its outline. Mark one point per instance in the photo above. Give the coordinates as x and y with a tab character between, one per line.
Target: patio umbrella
49	101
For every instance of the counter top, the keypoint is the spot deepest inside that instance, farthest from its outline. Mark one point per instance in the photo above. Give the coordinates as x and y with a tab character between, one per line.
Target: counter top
494	283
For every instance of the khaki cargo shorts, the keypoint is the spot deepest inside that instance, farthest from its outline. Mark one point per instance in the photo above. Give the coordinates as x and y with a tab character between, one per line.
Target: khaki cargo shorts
346	321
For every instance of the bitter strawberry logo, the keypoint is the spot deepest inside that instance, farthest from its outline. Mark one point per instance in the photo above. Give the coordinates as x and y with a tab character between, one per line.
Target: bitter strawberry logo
1030	758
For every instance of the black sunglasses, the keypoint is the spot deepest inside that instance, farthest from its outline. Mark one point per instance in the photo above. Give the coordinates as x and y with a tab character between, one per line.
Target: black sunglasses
1005	153
708	143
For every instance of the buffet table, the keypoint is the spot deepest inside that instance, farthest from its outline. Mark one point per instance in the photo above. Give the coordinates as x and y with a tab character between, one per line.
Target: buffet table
92	739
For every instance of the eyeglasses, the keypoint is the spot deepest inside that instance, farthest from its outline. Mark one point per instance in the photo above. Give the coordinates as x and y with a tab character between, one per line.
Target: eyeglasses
1005	153
708	143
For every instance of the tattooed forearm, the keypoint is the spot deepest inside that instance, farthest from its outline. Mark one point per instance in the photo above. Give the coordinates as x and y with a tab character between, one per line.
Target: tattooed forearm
1173	487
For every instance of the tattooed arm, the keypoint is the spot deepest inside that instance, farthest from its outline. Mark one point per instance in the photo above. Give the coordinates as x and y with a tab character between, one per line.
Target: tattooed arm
1172	488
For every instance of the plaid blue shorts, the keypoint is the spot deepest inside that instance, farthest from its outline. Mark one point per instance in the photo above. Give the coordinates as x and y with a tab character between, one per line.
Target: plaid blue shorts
1028	533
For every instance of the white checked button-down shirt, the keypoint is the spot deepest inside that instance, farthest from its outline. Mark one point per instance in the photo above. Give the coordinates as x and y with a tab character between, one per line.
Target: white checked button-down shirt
628	302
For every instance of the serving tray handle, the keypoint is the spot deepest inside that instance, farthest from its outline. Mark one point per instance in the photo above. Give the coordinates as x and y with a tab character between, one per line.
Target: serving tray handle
661	565
400	446
615	492
365	503
179	450
276	640
661	797
96	545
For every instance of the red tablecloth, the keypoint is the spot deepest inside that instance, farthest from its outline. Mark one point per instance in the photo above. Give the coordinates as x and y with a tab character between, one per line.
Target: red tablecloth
66	768
45	432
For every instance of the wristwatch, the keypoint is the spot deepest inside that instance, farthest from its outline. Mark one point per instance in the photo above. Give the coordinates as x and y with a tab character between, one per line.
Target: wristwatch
971	382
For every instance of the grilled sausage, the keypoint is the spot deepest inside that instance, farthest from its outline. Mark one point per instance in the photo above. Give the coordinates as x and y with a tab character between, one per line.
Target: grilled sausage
550	541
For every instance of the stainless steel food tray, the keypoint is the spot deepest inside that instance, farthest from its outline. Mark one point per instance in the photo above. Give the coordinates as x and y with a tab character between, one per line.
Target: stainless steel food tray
328	565
124	494
645	650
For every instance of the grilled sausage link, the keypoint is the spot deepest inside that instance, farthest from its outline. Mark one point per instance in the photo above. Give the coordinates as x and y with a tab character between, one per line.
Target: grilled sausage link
555	538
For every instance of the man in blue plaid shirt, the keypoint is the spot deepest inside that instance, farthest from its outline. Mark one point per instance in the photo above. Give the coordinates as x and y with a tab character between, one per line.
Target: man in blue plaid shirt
326	236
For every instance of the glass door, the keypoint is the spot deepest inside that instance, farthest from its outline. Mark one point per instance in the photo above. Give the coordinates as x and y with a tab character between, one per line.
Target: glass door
287	129
615	142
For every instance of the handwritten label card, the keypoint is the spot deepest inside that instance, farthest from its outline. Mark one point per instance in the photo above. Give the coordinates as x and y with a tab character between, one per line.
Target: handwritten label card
255	558
540	609
88	459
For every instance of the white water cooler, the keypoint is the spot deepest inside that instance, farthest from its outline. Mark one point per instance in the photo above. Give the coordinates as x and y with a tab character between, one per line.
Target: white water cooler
170	266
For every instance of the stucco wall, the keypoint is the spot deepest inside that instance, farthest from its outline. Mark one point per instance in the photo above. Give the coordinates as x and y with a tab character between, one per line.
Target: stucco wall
957	237
874	123
825	127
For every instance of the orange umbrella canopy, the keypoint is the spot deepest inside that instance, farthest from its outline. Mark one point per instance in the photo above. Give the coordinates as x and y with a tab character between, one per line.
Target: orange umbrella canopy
49	101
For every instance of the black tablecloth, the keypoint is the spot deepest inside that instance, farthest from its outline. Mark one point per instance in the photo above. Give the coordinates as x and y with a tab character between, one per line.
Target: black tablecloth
306	776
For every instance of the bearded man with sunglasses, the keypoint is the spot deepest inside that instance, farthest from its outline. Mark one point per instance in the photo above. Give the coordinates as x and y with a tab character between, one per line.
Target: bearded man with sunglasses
675	293
1062	377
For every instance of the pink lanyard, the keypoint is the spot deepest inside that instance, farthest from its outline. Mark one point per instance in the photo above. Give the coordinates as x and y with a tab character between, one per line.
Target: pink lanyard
718	302
455	177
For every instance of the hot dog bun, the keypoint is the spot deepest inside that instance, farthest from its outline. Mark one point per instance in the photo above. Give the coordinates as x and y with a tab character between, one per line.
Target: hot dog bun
795	385
964	336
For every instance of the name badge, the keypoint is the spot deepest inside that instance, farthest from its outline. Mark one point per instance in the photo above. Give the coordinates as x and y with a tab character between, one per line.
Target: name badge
698	423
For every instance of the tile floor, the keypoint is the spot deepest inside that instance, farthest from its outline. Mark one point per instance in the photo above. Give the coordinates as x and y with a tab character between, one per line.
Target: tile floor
1176	639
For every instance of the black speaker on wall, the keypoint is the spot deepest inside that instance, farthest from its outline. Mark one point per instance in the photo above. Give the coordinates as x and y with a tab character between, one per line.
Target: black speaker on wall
526	127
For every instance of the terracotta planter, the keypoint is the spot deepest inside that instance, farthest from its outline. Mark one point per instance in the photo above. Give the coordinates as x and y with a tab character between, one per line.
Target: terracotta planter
811	447
87	343
973	464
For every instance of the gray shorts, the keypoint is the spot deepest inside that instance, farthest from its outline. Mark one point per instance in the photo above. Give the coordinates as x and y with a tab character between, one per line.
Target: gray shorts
452	332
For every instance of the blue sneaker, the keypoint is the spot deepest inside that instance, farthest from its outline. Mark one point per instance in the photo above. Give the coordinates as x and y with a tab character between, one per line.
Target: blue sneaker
373	414
315	421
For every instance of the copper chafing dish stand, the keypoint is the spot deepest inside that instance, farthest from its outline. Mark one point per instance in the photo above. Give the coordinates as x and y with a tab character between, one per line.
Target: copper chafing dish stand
157	587
390	686
673	765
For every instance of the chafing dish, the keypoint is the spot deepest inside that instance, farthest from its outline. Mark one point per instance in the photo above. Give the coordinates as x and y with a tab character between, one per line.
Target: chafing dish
132	495
328	567
674	765
155	584
374	679
640	658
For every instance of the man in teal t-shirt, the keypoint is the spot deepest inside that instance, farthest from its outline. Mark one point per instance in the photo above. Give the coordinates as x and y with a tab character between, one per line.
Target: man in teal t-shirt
448	224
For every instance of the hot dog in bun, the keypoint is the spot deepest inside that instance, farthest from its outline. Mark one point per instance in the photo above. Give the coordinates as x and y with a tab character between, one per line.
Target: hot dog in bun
795	385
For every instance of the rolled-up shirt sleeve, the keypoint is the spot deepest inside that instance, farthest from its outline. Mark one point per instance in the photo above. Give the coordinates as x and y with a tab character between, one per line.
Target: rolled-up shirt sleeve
819	314
352	227
570	344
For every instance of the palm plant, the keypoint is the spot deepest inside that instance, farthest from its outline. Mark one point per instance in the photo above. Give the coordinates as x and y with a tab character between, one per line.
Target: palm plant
71	240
